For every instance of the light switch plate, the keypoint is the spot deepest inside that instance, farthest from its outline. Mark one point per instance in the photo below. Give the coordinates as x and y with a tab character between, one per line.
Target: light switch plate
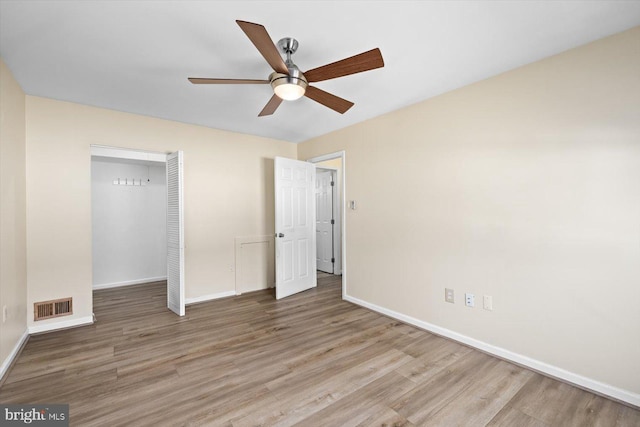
448	295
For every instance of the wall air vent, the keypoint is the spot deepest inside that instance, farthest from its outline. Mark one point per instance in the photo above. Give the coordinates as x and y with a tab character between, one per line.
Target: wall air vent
50	309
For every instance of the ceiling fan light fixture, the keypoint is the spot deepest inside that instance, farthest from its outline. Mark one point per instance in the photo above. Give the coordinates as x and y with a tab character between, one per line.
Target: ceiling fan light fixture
287	82
289	91
288	87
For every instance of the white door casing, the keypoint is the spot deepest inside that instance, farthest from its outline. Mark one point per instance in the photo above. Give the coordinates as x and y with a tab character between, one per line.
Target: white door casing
325	257
175	234
294	226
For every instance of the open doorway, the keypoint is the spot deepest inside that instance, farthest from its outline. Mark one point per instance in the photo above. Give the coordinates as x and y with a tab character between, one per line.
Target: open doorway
138	220
330	213
128	221
327	221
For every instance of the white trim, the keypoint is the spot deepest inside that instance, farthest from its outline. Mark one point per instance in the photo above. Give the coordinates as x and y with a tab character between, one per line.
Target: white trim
340	155
325	157
62	324
6	364
128	153
205	298
542	367
129	282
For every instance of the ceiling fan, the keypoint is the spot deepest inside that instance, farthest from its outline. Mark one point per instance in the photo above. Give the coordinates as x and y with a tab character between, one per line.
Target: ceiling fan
288	82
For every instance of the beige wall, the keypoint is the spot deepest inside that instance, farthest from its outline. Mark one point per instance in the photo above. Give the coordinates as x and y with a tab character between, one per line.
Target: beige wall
228	184
526	187
13	264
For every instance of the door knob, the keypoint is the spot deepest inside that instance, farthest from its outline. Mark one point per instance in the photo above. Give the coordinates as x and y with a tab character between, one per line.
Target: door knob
280	235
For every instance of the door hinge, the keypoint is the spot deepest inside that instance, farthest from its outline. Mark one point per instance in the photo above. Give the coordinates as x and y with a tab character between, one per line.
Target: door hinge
332	183
333	260
333	221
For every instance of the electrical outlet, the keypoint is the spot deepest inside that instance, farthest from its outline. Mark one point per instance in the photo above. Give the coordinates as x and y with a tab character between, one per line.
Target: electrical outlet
469	300
487	302
448	295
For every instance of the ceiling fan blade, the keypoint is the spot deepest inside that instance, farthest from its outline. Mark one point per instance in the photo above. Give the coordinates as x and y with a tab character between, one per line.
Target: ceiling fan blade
200	81
260	38
271	106
356	64
328	100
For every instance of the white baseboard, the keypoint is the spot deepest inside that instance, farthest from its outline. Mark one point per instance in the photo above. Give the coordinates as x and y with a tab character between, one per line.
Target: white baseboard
553	371
205	298
62	324
249	291
129	282
6	363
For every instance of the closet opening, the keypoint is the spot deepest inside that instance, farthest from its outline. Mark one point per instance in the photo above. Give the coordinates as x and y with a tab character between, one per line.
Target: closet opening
137	223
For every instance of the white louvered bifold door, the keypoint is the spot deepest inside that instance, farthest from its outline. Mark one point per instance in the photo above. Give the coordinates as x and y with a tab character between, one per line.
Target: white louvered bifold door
175	234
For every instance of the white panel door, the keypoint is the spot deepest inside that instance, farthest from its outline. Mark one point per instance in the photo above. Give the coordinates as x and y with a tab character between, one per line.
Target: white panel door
295	226
175	234
324	221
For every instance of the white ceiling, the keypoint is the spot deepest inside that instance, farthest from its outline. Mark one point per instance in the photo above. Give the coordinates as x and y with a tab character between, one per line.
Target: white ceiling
135	56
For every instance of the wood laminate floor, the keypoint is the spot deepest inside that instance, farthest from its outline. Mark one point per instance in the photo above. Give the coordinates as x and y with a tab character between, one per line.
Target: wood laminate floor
309	360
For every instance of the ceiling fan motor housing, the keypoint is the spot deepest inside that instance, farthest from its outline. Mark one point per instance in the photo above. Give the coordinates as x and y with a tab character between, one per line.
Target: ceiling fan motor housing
292	85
